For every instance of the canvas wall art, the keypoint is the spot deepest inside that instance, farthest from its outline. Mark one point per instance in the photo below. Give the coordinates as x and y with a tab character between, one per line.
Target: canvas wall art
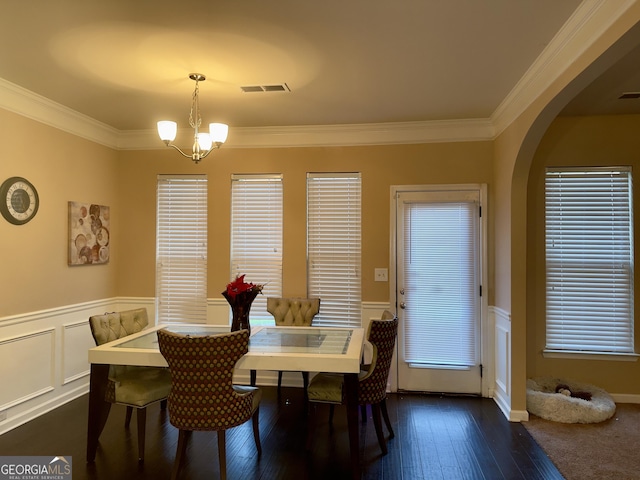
89	234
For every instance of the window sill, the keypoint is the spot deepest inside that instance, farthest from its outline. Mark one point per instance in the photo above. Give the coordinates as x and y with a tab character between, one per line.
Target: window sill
578	355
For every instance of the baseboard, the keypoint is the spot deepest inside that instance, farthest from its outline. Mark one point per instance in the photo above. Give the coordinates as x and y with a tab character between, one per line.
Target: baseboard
503	403
26	416
625	397
518	416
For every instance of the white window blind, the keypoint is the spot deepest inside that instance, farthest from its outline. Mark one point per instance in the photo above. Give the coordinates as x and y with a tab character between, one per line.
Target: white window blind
333	247
589	260
256	237
181	249
442	282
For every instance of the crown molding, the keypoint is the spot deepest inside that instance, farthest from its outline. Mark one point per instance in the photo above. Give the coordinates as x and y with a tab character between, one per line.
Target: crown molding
24	102
587	24
332	135
19	100
36	107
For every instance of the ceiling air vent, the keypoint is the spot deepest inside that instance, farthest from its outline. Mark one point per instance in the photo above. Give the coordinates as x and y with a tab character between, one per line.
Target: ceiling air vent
266	88
626	95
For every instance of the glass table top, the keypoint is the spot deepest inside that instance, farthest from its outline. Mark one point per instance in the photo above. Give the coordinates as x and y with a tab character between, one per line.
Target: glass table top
300	340
150	340
263	340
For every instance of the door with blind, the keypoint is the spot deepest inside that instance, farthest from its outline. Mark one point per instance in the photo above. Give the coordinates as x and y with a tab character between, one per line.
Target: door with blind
439	277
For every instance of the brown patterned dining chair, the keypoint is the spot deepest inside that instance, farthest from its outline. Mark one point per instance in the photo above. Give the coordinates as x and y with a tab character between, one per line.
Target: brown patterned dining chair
372	384
293	312
202	396
131	386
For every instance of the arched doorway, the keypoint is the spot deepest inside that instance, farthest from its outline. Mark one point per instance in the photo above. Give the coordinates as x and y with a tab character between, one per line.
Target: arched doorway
515	149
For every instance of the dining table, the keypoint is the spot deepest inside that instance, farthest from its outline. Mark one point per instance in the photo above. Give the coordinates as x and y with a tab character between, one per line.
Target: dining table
306	349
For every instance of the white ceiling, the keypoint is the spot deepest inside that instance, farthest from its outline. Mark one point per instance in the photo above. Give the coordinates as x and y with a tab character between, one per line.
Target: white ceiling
125	63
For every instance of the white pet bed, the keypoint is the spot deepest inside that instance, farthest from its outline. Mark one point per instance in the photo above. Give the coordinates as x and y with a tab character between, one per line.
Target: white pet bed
544	402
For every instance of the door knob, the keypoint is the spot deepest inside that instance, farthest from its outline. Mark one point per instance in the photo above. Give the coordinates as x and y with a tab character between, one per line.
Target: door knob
403	305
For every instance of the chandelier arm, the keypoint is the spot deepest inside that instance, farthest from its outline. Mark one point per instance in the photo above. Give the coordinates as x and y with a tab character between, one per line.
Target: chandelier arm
178	149
215	146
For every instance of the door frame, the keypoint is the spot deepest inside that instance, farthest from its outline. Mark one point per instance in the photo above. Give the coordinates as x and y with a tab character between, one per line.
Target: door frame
487	340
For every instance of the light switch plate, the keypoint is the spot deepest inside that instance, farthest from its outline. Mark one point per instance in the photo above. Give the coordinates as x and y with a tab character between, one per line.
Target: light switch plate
381	275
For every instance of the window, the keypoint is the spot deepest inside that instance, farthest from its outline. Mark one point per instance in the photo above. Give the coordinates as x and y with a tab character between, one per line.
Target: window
333	247
589	260
181	249
256	237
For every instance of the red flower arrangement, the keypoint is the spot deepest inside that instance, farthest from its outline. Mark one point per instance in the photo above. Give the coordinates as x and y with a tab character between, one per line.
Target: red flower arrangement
240	296
240	286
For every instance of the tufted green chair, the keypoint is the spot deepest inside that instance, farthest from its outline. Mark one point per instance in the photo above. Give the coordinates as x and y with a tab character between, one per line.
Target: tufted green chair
202	395
134	387
293	312
372	384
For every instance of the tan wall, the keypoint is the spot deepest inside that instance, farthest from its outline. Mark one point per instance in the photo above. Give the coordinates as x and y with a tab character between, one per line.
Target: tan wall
66	168
576	141
33	257
381	167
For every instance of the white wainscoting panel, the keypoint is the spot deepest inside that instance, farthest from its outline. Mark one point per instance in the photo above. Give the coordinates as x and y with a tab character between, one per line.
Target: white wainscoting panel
28	370
43	359
76	340
502	394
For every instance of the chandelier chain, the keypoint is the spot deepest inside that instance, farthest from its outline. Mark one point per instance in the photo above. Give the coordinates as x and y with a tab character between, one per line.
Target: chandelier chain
195	107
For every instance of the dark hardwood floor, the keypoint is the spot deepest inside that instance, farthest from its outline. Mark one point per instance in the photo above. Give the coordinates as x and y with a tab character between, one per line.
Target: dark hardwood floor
437	437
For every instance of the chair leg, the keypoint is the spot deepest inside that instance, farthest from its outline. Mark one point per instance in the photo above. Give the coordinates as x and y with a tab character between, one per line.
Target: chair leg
305	384
311	425
127	418
222	454
385	415
279	381
182	447
377	422
256	431
332	408
141	417
163	404
363	413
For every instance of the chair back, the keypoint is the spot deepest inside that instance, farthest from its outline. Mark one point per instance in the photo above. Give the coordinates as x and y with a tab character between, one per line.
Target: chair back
202	395
293	312
111	326
129	385
372	388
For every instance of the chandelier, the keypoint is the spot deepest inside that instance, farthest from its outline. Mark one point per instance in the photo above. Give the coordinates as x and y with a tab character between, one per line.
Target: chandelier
203	143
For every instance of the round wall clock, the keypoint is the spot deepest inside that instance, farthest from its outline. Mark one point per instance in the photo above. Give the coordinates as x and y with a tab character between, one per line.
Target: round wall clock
18	200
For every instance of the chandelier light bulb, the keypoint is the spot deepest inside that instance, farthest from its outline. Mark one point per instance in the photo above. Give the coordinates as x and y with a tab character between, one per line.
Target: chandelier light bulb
204	141
167	130
218	132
